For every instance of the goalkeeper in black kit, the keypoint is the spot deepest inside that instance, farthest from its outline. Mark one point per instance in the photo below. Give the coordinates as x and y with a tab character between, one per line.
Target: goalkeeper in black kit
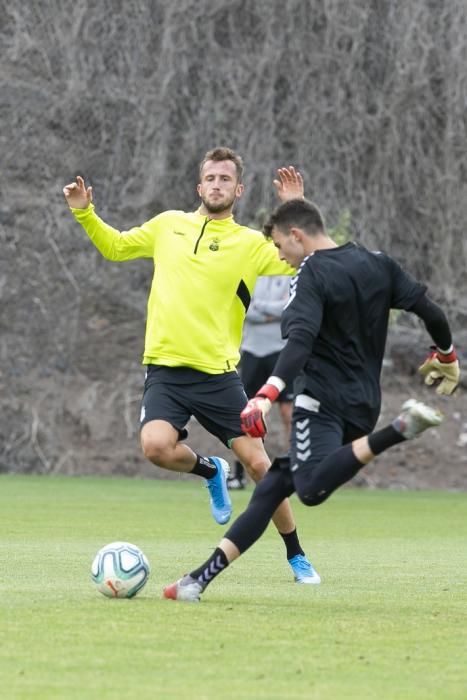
335	322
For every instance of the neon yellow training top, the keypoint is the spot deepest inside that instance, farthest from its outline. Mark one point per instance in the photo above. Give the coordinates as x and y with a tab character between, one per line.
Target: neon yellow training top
204	275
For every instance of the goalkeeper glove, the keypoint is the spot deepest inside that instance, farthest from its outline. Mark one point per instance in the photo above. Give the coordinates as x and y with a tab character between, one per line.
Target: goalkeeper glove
252	418
444	366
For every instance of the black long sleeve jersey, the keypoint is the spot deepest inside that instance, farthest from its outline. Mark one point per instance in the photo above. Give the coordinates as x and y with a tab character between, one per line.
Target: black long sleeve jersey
336	323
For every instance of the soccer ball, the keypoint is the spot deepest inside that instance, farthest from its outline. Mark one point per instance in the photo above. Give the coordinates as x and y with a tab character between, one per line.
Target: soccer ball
120	570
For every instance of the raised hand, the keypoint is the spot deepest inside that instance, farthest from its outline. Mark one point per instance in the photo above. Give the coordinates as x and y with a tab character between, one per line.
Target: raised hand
77	195
289	184
441	366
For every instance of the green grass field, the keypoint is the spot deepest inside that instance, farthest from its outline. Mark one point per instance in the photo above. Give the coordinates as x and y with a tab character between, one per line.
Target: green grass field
388	621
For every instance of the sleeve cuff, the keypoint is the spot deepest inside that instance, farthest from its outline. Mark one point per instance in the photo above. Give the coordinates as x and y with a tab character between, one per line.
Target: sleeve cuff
82	213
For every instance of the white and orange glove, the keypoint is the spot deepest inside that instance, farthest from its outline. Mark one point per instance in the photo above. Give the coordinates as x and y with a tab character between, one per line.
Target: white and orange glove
252	418
442	365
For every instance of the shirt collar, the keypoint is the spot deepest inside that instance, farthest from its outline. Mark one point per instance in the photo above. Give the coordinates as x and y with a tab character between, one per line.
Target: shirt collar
228	219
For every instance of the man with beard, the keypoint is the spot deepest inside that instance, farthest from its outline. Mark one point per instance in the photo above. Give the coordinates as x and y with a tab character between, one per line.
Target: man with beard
206	266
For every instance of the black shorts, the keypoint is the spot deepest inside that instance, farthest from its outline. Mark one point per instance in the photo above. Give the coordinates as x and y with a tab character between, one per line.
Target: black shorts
175	394
316	433
255	371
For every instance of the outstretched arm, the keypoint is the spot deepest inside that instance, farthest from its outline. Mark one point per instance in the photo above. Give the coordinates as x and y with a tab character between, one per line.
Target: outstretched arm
289	184
138	242
441	366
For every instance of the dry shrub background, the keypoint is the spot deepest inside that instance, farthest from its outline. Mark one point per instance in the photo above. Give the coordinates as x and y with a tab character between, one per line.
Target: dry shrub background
367	98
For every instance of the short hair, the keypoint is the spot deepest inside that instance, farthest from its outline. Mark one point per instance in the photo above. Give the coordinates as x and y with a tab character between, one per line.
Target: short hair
298	213
223	153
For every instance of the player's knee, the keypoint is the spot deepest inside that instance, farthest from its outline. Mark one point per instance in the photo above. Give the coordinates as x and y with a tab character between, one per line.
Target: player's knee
312	498
156	450
257	467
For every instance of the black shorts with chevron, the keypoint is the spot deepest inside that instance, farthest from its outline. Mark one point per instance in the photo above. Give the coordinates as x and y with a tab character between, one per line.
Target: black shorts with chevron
316	433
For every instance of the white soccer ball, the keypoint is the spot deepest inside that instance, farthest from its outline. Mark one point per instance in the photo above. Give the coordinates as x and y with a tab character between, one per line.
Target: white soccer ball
120	570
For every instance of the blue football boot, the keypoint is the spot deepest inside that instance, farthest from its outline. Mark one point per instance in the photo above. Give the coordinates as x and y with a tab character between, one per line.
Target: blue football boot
221	505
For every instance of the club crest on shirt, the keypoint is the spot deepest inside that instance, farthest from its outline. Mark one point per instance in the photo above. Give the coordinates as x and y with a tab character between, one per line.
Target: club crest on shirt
214	245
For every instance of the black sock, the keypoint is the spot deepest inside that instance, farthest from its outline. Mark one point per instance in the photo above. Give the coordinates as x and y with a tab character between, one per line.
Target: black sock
292	544
204	467
239	471
211	568
383	439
